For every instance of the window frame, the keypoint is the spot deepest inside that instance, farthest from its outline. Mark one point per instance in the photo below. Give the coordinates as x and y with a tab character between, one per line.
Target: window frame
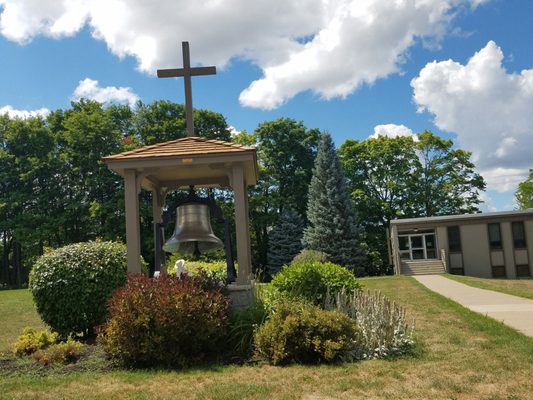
457	245
495	244
522	243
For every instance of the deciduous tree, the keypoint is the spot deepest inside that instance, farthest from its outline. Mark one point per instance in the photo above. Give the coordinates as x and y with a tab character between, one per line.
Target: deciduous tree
448	182
287	150
524	194
399	177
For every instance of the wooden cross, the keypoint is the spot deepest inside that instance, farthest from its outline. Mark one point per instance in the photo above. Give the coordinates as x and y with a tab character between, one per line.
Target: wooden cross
187	72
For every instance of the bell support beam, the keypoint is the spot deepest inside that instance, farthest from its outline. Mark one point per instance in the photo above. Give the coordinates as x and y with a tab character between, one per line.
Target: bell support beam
244	258
133	231
221	181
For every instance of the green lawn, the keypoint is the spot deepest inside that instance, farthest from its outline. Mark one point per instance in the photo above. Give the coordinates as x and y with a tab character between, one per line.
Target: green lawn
16	312
460	355
515	287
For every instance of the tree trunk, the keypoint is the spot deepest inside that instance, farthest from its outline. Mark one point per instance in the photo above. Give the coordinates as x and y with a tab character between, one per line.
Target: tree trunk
4	272
17	264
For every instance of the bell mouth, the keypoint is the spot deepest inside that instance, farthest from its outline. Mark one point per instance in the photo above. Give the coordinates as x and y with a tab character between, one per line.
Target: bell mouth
191	245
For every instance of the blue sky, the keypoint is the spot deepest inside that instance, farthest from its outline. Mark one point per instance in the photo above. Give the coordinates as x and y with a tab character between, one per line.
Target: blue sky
460	68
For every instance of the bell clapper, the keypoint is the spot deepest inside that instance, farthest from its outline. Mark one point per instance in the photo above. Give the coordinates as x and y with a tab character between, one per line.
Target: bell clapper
196	253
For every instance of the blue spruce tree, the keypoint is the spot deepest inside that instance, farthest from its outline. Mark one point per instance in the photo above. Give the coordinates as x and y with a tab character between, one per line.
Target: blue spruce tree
333	227
284	241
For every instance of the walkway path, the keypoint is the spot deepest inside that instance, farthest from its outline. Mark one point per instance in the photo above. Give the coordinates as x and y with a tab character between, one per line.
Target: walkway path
516	312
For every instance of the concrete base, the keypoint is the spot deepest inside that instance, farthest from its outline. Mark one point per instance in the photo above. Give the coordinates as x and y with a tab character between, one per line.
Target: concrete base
242	296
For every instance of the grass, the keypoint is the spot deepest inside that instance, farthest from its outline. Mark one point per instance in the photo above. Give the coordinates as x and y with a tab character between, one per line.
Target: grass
460	355
515	287
16	312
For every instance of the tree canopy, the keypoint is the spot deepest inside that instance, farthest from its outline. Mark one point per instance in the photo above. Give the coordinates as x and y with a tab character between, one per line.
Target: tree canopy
55	188
524	193
402	177
287	151
448	183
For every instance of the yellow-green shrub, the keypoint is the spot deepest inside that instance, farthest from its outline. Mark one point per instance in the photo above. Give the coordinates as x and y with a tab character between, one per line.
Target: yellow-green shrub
216	269
307	256
32	340
65	352
303	333
312	281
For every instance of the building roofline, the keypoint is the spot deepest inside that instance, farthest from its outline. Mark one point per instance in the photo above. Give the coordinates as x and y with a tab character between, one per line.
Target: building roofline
465	217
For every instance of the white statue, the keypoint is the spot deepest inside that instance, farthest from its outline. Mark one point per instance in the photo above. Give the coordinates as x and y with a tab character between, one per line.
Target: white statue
180	268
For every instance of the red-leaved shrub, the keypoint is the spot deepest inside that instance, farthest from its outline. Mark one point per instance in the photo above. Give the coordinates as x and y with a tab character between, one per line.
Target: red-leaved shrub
165	322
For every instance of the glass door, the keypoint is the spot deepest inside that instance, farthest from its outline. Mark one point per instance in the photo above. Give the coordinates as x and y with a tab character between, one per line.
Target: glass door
417	246
431	246
405	247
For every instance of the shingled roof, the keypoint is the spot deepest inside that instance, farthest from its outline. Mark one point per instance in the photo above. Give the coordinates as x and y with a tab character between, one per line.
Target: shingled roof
188	146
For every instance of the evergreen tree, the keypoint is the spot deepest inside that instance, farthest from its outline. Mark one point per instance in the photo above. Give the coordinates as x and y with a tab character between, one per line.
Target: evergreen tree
333	228
285	240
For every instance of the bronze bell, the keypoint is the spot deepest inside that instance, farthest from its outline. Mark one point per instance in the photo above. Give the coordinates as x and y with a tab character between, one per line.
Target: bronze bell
193	232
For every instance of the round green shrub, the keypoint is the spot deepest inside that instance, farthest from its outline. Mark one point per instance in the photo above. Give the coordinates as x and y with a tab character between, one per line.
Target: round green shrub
303	333
71	285
167	321
306	256
311	281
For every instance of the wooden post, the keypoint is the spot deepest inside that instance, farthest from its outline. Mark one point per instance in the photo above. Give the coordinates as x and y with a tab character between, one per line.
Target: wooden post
241	225
133	234
396	259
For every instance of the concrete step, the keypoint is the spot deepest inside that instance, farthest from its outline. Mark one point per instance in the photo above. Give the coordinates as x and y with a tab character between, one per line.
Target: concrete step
420	272
423	267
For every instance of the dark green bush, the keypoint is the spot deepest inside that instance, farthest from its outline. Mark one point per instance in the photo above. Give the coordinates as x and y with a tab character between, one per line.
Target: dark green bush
306	256
165	321
303	333
71	285
311	281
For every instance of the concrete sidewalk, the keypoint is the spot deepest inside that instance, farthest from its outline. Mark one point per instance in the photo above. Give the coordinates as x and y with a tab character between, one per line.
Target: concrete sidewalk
516	312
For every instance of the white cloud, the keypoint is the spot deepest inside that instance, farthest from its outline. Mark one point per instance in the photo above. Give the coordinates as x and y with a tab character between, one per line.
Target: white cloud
23	114
392	130
327	46
488	108
89	89
20	21
233	131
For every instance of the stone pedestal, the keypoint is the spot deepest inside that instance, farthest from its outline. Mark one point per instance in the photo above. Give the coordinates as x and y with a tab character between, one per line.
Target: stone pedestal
242	296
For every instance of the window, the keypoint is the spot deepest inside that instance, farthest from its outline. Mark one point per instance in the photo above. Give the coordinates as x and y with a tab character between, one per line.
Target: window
403	241
519	235
454	239
495	237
